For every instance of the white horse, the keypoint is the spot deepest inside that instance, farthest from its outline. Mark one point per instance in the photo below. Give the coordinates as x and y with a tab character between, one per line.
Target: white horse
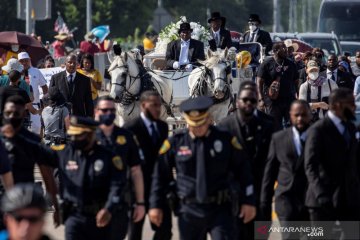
213	79
129	79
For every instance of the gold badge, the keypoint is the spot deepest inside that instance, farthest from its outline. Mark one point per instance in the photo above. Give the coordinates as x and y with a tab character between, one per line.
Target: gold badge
57	147
165	147
121	140
194	113
236	144
118	163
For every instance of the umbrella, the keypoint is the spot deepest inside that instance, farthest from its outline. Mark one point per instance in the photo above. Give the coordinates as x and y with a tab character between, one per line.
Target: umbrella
32	46
101	32
303	46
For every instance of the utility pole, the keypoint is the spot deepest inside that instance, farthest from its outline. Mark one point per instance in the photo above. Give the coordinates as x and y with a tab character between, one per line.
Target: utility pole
88	15
295	15
29	8
309	16
303	15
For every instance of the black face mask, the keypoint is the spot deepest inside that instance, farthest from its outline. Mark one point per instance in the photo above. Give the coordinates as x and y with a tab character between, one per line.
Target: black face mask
80	144
349	115
14	122
107	119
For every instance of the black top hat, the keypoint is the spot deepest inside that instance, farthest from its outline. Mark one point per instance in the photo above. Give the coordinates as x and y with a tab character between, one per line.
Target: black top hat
184	26
215	16
254	18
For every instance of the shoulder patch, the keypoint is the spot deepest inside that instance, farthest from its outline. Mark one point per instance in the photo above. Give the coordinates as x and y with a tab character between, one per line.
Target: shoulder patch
236	144
58	147
118	163
165	147
121	140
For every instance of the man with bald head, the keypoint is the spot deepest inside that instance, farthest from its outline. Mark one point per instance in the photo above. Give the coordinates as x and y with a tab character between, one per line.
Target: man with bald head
75	88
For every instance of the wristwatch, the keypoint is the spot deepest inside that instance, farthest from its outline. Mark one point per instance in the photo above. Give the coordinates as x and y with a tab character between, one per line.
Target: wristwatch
140	203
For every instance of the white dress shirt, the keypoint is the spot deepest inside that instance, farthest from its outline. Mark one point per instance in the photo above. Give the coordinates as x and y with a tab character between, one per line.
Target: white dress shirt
37	80
255	33
68	76
329	74
296	138
148	123
337	122
184	53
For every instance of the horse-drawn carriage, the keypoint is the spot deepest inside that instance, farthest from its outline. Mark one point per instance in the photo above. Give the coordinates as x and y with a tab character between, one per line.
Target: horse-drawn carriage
219	77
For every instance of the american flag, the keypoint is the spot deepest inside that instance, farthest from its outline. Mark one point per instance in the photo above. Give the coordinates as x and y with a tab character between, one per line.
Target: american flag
60	25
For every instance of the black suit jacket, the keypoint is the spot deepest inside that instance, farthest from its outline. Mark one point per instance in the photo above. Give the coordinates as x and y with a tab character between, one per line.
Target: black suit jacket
262	37
344	79
138	128
225	40
264	130
332	169
285	166
196	52
80	99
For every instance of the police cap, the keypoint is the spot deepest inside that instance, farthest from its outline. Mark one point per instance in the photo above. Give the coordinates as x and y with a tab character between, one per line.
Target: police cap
23	195
196	110
80	125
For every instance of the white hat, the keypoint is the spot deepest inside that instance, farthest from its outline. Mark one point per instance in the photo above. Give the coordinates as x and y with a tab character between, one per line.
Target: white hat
23	55
13	64
289	43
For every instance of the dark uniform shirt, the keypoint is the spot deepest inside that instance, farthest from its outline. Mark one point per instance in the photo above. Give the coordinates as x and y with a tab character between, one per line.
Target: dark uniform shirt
90	178
122	143
224	157
24	151
269	70
4	160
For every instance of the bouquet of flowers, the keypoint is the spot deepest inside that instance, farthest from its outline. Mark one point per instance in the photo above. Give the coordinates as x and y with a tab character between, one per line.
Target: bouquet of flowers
170	33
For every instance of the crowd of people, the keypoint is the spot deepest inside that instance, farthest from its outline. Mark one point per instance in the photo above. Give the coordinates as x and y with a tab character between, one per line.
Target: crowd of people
291	138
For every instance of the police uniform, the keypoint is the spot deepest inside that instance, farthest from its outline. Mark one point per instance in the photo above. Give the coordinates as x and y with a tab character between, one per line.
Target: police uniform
89	182
122	143
203	187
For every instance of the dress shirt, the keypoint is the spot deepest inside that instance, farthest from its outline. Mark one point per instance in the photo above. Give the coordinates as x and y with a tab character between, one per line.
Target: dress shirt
148	123
329	74
255	33
68	76
337	122
297	140
184	52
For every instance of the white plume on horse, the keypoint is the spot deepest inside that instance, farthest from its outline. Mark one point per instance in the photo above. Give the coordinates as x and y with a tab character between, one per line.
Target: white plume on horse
129	80
213	79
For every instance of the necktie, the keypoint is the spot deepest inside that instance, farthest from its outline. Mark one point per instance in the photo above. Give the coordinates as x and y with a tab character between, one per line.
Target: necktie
154	134
217	39
71	83
333	76
252	35
201	188
183	58
346	133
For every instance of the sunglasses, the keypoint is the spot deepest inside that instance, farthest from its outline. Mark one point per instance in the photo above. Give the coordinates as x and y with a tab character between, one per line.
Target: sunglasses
251	100
30	219
105	110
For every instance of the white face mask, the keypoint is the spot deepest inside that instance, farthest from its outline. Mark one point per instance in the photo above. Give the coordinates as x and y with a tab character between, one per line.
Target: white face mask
252	28
313	75
15	48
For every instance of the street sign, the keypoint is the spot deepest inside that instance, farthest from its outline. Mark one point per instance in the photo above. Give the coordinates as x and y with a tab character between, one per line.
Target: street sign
41	9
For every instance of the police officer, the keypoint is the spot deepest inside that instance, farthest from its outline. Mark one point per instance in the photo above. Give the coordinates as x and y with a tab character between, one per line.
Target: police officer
91	180
123	143
207	162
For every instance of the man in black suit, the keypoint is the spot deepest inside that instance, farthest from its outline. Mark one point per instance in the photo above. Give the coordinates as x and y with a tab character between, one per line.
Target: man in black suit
286	153
342	79
331	166
254	133
255	34
185	52
75	88
151	133
221	36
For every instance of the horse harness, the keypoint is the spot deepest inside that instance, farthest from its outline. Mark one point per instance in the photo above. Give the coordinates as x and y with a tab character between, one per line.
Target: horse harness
145	85
199	89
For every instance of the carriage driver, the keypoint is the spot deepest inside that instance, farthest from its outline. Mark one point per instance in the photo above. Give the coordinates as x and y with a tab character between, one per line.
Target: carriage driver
183	53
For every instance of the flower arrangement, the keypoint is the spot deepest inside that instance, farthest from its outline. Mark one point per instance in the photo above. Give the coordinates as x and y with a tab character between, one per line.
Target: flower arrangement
170	33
